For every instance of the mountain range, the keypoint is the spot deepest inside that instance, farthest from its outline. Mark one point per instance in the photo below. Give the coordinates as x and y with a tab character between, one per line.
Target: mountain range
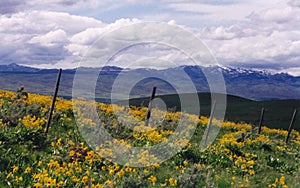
246	83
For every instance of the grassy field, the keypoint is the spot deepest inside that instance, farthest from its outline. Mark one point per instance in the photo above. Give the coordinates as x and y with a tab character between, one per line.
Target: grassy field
238	157
278	113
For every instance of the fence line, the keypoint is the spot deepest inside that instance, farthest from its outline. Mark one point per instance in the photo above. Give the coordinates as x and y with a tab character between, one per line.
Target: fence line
150	106
212	113
53	101
261	120
291	126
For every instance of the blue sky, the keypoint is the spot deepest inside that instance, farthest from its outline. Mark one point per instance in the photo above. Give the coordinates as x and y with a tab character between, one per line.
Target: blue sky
246	33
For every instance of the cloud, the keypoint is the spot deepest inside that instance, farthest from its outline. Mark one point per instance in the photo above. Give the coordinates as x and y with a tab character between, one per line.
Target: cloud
246	45
294	3
295	71
213	11
50	39
224	33
230	10
287	14
270	39
81	41
239	32
12	6
39	37
276	48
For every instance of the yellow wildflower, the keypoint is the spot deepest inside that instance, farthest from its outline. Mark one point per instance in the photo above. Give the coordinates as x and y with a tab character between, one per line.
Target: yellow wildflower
19	178
152	179
15	169
40	163
9	175
172	182
71	153
85	179
282	180
27	170
60	183
38	185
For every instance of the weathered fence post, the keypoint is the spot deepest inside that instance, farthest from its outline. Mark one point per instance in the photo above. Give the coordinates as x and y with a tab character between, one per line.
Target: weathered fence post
210	121
261	120
53	101
150	106
291	126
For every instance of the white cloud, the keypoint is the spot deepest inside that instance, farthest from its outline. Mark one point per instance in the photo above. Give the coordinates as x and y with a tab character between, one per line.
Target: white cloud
280	15
224	33
219	10
268	38
256	48
251	46
172	22
45	21
86	37
82	41
295	71
12	6
258	33
50	39
295	3
90	35
34	37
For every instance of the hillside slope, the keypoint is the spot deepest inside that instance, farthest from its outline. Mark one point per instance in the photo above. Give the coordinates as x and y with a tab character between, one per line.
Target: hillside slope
278	113
69	157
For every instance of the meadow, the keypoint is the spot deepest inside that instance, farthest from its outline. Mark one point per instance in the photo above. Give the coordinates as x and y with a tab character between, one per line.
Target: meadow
238	157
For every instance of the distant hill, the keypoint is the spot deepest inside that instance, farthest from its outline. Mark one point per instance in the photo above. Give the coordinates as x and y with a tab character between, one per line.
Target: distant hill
17	68
251	84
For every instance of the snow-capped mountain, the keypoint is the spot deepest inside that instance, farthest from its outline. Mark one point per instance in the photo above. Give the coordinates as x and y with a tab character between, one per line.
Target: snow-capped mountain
255	84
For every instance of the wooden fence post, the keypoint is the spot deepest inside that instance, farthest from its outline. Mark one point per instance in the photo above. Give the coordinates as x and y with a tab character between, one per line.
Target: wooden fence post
291	126
53	101
261	120
150	106
210	121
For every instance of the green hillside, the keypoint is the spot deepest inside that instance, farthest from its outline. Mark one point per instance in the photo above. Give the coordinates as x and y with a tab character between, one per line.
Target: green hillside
278	113
70	155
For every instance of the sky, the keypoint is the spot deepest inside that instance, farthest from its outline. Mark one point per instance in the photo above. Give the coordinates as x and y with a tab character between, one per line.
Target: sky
256	34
